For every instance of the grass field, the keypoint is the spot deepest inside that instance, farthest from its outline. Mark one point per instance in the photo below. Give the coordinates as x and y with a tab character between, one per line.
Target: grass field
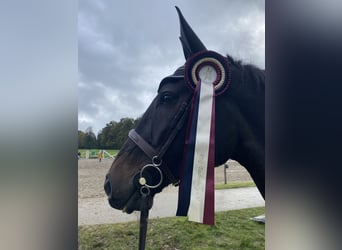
219	186
233	230
95	151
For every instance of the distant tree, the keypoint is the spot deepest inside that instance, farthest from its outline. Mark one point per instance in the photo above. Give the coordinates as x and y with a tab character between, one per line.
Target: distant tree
106	137
124	126
136	121
115	133
101	138
81	137
88	140
112	136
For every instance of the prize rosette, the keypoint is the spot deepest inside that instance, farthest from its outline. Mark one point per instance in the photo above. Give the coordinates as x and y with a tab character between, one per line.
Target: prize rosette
209	67
208	75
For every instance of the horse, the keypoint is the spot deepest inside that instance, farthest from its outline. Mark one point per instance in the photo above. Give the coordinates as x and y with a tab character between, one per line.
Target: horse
160	136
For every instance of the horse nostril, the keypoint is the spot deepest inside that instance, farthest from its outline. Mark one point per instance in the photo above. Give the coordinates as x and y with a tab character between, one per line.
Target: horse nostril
107	187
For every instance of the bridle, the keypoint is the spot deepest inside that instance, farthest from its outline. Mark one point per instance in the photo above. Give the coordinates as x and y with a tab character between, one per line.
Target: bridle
156	164
157	156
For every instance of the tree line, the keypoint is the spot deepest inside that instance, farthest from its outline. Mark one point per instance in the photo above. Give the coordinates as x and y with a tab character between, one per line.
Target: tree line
112	136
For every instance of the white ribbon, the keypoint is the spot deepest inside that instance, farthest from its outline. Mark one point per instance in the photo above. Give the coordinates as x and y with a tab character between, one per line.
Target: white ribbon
197	201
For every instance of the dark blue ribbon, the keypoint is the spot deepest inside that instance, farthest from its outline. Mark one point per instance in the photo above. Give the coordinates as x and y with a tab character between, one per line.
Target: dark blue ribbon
184	192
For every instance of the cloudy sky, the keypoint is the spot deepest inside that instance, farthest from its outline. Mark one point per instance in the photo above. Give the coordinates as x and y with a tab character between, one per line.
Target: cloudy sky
126	47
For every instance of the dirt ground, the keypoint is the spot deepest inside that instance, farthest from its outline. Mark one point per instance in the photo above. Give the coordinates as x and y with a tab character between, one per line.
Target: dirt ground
93	207
91	174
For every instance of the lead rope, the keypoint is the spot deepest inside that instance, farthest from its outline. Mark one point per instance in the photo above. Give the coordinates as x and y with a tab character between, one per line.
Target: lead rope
145	192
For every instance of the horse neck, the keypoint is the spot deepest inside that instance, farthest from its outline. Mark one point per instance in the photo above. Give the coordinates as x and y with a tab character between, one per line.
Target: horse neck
250	149
248	93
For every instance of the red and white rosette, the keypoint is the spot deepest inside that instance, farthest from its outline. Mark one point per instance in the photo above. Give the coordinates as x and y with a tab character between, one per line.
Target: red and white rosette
207	73
210	67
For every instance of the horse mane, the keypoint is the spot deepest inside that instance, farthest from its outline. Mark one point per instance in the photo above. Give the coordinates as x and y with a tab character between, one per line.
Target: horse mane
252	84
251	75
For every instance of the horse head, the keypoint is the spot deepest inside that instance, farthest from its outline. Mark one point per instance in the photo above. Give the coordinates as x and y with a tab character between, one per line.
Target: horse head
154	150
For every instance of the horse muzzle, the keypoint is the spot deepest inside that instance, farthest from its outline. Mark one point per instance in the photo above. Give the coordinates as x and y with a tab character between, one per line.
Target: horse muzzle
116	198
143	183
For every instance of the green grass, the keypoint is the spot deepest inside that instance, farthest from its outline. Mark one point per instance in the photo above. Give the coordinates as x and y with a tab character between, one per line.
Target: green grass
234	185
233	230
110	151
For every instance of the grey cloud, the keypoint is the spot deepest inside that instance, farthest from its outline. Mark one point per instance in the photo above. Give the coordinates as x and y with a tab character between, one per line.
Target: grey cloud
127	47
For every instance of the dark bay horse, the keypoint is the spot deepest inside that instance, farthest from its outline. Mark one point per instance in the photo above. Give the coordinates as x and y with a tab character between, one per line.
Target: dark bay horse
160	136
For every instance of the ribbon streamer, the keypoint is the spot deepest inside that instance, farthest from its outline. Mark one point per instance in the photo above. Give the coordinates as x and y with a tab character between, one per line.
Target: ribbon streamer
206	73
196	195
188	158
200	209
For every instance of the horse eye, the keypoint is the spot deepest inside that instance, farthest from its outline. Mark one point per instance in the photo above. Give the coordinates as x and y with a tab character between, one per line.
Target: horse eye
166	98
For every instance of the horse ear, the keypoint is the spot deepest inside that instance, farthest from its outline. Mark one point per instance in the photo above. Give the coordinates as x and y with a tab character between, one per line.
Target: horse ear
190	42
